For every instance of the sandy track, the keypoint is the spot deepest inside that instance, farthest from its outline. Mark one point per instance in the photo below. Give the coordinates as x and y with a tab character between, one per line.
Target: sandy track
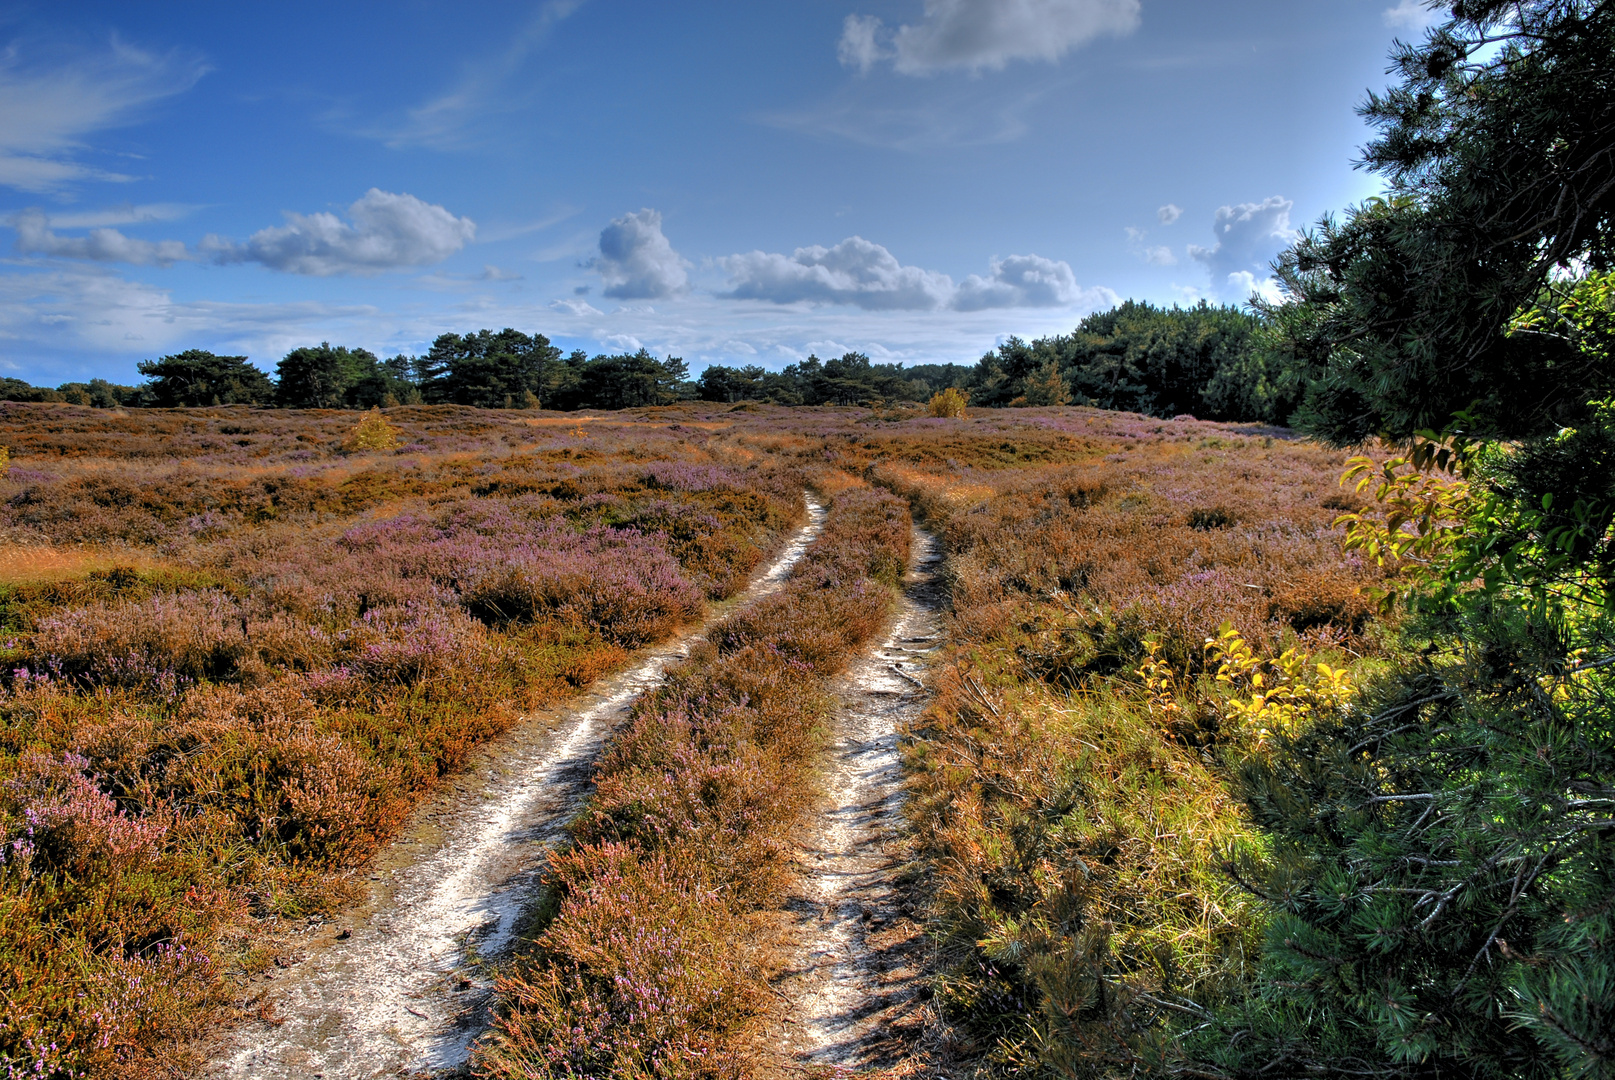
402	993
853	992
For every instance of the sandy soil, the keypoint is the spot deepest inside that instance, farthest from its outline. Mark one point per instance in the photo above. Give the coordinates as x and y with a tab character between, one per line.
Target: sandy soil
854	993
399	986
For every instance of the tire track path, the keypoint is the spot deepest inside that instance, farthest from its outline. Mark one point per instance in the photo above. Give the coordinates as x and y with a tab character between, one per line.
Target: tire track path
861	955
401	988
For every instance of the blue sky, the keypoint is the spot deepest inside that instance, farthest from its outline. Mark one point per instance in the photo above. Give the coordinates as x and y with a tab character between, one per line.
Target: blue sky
731	182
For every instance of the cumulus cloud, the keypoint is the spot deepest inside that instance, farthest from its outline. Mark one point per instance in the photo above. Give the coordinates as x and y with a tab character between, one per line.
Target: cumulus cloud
622	343
48	106
36	237
1411	15
1244	284
1169	213
386	231
1019	281
855	272
862	274
1155	254
1248	236
637	262
976	34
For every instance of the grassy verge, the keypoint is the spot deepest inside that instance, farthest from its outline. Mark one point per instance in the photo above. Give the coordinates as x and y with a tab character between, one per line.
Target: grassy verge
1072	818
200	741
651	963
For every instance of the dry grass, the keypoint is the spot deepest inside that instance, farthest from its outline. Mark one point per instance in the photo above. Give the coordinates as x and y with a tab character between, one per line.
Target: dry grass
238	655
651	964
230	680
28	564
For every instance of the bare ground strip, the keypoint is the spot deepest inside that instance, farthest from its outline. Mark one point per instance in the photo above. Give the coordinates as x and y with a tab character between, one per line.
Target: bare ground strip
853	995
396	989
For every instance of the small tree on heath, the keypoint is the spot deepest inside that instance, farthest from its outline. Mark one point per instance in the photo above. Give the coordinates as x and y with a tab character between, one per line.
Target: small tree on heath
949	402
373	432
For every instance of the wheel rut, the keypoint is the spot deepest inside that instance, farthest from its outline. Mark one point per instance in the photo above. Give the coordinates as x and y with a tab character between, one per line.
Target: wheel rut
399	985
854	992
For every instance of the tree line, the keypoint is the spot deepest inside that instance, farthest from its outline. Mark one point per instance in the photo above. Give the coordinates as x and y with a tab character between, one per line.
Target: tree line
487	369
1206	361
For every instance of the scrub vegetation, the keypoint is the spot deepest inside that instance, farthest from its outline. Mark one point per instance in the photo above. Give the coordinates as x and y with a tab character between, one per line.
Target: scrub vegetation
241	647
1249	755
237	654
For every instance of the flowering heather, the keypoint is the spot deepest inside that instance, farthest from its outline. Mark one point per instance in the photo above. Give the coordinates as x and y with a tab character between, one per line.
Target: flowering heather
267	653
650	965
240	655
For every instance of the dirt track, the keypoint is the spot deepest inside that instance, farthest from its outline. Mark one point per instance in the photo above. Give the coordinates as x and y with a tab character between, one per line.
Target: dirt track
401	992
854	991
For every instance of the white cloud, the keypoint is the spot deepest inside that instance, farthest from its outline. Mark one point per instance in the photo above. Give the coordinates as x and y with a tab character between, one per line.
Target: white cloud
855	272
637	262
1242	284
859	46
46	109
1157	254
976	34
125	214
490	272
388	232
35	237
1248	236
574	307
1169	213
74	310
1023	281
622	343
862	274
1412	15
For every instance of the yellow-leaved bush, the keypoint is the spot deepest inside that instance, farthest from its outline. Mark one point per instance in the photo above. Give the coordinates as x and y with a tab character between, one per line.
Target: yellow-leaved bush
949	402
1417	516
1255	697
1265	696
373	432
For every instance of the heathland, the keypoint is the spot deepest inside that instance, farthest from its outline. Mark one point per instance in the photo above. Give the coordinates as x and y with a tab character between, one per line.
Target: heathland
1239	758
241	647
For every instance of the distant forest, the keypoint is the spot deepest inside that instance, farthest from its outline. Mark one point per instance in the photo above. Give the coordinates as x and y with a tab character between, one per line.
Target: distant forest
1204	361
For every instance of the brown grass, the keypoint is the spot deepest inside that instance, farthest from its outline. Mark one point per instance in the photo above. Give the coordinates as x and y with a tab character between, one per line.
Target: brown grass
27	564
237	656
651	964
